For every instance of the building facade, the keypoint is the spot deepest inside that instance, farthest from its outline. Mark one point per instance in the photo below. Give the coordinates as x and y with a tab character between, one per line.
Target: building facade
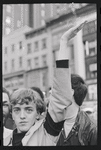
16	16
33	15
38	58
90	46
13	59
42	45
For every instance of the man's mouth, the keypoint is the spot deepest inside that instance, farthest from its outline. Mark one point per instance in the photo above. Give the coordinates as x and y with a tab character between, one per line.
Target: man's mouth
23	122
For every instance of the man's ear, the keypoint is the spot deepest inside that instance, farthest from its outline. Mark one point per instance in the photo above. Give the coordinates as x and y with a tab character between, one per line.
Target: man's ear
72	92
38	116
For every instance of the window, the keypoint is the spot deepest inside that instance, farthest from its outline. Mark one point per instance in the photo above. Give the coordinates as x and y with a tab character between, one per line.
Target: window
29	48
44	60
20	62
90	48
42	5
93	74
5	50
42	13
92	90
12	64
92	51
93	67
29	63
93	70
36	61
36	46
13	48
43	43
8	20
5	66
18	23
7	30
42	22
8	8
20	45
58	9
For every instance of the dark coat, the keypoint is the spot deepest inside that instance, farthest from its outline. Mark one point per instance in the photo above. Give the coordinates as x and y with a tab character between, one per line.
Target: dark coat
84	132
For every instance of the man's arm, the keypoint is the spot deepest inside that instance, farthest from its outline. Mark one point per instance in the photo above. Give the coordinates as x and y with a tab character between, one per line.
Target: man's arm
61	96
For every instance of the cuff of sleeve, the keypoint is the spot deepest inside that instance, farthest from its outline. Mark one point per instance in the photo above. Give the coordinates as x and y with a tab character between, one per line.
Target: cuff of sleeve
52	127
62	63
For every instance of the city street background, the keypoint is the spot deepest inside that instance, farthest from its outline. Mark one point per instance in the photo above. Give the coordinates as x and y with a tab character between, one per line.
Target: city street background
31	36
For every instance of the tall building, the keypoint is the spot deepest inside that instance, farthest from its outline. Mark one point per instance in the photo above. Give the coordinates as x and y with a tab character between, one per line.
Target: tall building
47	11
16	16
33	15
54	10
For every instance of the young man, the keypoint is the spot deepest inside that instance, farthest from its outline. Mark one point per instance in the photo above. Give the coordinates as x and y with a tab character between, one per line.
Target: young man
6	111
81	130
26	105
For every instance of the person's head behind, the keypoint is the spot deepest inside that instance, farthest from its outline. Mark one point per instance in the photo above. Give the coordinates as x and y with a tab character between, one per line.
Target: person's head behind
6	104
27	106
39	91
79	87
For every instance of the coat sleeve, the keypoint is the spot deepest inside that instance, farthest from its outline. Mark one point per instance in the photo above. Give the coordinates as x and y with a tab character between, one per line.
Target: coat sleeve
93	136
60	98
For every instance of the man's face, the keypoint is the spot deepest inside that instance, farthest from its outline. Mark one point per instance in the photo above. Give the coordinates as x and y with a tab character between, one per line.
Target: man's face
24	116
5	107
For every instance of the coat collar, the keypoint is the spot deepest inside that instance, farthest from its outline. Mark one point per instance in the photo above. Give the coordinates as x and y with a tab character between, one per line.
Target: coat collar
78	127
8	140
31	131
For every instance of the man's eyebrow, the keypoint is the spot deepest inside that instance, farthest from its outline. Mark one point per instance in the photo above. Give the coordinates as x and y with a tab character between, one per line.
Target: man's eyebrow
5	102
28	107
16	107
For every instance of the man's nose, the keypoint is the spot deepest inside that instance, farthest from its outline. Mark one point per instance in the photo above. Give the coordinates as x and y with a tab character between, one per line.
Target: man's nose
22	114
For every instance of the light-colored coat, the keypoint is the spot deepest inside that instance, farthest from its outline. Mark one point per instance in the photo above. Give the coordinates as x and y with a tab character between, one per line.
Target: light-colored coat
60	99
6	132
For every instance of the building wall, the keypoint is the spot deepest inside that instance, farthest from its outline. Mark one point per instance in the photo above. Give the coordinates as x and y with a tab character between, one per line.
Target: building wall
17	72
7	21
39	60
15	16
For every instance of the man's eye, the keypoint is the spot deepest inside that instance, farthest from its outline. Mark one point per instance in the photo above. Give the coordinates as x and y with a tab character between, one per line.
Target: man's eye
29	110
16	110
5	105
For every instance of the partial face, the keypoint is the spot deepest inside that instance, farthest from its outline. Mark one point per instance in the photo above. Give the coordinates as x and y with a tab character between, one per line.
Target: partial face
5	107
24	116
